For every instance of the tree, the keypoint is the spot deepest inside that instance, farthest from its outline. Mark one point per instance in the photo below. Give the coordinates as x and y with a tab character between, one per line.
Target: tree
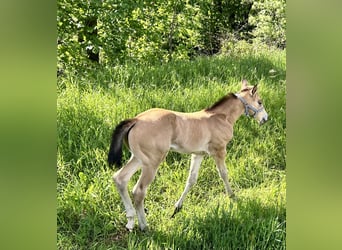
269	21
115	31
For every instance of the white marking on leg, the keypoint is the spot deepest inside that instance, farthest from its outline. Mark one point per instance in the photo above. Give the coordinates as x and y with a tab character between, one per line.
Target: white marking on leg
192	178
121	179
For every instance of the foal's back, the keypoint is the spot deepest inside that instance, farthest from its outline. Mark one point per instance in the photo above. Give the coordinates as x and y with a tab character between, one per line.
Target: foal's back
159	130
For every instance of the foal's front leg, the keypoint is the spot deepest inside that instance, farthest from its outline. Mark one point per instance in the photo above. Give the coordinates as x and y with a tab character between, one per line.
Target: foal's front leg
192	178
219	158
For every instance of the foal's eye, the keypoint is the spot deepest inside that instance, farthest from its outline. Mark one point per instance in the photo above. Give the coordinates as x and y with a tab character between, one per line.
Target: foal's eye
260	102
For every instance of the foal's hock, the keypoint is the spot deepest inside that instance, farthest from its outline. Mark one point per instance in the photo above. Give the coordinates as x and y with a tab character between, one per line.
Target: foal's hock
151	134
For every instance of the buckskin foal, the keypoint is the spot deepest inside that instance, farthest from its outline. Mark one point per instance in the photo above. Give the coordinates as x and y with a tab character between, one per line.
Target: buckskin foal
151	134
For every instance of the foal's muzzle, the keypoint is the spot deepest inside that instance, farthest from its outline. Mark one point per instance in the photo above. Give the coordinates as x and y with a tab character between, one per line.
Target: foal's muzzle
263	119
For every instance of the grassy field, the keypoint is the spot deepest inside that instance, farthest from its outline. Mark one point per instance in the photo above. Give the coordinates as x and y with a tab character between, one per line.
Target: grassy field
90	214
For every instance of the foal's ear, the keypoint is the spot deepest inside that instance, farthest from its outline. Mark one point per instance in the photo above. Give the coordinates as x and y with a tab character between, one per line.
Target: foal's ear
255	88
244	84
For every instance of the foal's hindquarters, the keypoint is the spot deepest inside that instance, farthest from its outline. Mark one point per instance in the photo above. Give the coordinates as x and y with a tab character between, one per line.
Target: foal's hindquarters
148	150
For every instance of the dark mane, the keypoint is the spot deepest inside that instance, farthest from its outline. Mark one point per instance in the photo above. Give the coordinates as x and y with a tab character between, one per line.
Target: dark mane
219	102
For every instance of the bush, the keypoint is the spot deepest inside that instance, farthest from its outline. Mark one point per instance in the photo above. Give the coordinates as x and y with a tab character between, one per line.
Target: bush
268	17
115	32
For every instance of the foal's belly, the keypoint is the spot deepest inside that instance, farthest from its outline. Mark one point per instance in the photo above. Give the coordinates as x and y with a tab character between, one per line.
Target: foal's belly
189	150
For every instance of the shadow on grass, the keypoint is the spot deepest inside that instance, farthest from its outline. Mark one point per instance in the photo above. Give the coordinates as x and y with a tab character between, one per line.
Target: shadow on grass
246	224
88	228
182	73
249	225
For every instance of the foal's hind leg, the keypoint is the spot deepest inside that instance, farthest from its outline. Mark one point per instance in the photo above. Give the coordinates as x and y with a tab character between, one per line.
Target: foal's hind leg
192	178
139	192
219	157
121	179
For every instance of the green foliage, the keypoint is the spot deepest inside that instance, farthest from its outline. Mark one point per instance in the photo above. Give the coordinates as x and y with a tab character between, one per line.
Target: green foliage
222	20
90	214
77	31
162	31
145	32
268	17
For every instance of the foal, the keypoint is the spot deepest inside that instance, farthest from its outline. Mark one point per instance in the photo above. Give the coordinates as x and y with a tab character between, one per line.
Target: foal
151	134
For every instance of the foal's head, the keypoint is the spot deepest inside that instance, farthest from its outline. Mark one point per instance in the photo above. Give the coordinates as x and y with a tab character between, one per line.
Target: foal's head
252	102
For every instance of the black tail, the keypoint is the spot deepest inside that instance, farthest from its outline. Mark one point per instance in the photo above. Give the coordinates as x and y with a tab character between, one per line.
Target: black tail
119	134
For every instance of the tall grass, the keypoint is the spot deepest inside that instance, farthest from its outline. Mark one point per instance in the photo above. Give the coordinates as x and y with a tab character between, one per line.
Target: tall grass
90	214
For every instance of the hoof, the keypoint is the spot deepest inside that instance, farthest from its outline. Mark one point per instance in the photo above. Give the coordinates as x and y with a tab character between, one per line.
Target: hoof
233	197
130	224
144	228
130	229
177	209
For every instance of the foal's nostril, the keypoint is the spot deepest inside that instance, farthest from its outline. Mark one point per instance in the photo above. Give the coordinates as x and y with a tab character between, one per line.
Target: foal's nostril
263	120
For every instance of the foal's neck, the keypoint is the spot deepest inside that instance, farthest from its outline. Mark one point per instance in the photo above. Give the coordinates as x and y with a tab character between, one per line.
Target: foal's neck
232	108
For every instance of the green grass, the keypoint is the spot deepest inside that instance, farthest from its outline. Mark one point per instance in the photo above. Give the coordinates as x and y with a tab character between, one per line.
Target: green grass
90	214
